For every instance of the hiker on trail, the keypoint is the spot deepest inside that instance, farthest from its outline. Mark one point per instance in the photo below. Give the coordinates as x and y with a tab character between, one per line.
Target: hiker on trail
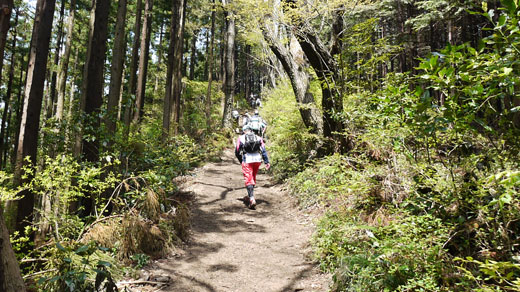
250	151
257	124
258	102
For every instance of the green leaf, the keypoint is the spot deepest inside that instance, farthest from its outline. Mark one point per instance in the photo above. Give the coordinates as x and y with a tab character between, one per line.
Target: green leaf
104	263
507	71
81	249
59	246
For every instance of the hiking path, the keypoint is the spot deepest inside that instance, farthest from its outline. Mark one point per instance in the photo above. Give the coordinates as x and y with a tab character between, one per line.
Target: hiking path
233	248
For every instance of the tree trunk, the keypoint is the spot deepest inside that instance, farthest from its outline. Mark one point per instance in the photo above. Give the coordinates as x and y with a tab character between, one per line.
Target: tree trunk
299	81
247	74
177	67
64	62
30	122
94	87
143	61
116	71
5	18
7	99
10	277
78	143
193	55
210	69
229	86
169	74
54	77
132	82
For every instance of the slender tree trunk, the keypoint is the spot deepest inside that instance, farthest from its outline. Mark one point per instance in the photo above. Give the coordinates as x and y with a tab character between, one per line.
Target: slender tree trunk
5	18
95	83
94	87
143	61
193	56
10	276
247	74
78	143
132	82
169	74
54	74
210	69
7	99
229	86
64	62
19	109
177	67
159	57
116	71
30	122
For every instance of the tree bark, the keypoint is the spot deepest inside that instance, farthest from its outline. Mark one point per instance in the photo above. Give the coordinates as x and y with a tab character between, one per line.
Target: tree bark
116	71
210	69
94	85
143	61
64	62
299	81
229	86
193	55
54	75
30	122
177	67
132	82
7	99
5	18
10	277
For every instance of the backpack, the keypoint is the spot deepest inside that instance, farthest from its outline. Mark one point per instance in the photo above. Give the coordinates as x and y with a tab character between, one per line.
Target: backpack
252	143
254	123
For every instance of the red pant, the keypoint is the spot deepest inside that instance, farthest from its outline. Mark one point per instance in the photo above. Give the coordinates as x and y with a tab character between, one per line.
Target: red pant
250	170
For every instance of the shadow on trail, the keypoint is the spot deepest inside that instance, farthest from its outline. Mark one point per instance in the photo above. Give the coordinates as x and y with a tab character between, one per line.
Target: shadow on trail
292	286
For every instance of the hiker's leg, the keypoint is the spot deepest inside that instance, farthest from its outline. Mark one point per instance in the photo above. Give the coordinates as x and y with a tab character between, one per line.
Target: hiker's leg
247	170
255	167
250	190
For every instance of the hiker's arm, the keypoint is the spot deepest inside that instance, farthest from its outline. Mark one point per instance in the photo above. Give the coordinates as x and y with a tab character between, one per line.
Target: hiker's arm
238	153
264	153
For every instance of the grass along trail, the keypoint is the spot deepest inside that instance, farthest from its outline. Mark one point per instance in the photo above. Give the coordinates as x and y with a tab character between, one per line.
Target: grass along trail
233	248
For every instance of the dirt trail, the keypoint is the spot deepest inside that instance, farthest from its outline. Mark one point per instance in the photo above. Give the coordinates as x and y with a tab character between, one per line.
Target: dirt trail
233	248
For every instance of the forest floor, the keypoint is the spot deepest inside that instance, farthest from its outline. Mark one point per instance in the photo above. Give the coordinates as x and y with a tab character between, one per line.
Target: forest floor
233	248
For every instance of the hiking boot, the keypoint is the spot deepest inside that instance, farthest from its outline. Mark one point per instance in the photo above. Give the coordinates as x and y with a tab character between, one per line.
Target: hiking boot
252	203
246	200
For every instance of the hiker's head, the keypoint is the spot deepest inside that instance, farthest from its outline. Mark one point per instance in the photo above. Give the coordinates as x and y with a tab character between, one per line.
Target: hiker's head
246	128
256	112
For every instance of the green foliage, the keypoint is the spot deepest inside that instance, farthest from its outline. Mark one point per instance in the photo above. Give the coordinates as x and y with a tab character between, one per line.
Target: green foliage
140	260
289	143
79	268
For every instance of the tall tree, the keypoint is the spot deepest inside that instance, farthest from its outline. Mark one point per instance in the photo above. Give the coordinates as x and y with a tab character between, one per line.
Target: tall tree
229	85
210	68
94	85
7	99
54	74
30	121
177	67
193	55
10	277
132	82
295	68
64	62
143	60
116	70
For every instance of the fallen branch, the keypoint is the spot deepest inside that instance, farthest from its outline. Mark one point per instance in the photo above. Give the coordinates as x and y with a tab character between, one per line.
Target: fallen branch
39	273
141	282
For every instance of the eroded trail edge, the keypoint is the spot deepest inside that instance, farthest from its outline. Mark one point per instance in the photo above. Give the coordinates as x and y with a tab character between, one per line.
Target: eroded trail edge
233	248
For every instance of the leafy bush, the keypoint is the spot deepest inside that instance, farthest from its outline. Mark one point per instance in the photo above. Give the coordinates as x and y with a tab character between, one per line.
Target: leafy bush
289	143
